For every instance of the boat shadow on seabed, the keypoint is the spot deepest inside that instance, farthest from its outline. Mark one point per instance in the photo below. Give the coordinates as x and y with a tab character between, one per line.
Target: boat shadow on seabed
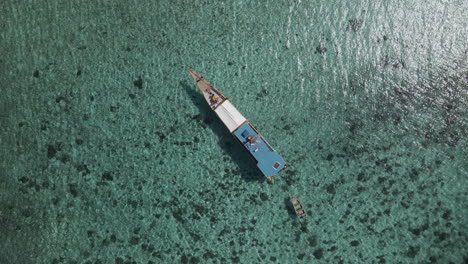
290	208
227	142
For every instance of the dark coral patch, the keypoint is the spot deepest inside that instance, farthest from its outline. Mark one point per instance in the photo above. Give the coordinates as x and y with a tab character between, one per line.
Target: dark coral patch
83	169
412	251
355	24
161	136
138	83
262	93
73	189
23	179
321	49
107	176
51	151
301	256
331	189
318	254
264	197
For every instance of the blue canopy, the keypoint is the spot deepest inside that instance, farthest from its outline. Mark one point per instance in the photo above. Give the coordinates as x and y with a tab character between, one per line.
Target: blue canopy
268	160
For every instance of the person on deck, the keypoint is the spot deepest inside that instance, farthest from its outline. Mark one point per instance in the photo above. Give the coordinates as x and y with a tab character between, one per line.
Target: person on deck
252	141
214	99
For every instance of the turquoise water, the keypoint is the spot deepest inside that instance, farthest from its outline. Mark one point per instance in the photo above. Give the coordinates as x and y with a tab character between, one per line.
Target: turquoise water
110	155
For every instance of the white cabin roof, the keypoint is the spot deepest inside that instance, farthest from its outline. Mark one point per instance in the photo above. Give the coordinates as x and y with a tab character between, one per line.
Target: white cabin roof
230	116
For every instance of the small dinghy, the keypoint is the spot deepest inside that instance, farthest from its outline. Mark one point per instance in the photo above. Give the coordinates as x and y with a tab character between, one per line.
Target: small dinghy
298	208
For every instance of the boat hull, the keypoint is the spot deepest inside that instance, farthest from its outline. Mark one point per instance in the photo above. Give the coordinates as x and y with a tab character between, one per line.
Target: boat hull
300	212
268	161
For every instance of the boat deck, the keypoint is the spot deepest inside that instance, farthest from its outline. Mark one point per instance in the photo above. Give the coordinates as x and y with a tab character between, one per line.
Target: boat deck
268	160
214	94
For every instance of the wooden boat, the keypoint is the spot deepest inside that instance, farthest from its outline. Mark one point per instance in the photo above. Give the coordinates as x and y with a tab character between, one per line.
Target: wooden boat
269	162
298	208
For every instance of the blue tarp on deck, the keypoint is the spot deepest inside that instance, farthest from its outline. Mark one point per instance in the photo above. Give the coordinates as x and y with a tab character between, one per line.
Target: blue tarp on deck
268	161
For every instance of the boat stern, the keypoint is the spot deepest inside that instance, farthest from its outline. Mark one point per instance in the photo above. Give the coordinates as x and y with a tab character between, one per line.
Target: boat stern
269	162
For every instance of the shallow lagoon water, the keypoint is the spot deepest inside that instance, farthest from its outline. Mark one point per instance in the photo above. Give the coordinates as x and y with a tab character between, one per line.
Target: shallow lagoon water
110	155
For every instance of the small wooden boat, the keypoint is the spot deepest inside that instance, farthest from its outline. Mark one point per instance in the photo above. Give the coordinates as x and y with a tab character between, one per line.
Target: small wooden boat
298	208
269	162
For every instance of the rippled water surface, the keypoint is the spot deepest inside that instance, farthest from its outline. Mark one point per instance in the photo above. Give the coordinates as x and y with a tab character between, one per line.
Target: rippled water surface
110	155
